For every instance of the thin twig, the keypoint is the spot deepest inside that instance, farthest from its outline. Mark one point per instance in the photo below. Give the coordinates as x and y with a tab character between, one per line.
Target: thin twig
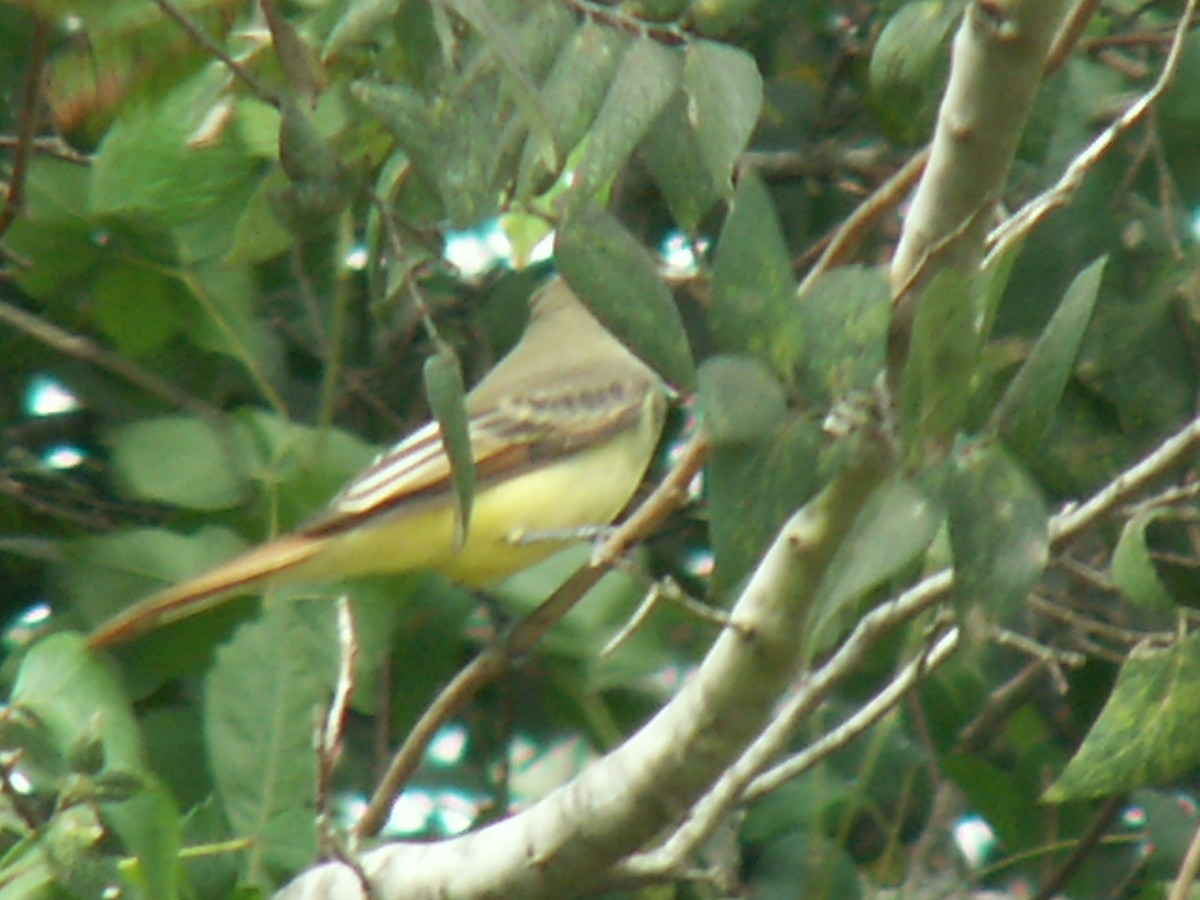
81	348
526	634
201	37
27	126
862	719
1036	210
1058	879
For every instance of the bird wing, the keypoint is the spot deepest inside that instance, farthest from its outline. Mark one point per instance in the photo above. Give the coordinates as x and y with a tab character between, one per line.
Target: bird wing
506	440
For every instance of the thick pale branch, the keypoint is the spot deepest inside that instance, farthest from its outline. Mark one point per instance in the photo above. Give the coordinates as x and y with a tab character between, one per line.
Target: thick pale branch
578	833
999	56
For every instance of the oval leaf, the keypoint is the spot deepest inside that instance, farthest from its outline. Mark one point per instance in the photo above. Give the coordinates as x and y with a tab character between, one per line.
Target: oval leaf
997	530
754	307
1024	412
1148	731
615	277
894	528
647	78
447	398
182	460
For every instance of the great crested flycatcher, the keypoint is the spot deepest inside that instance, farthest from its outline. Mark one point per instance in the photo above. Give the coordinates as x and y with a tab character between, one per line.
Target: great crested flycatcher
562	430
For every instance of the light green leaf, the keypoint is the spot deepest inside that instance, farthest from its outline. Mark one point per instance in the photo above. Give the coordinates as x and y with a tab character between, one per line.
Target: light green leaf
1133	569
754	305
616	278
260	701
139	307
76	697
182	460
1148	731
170	162
1024	412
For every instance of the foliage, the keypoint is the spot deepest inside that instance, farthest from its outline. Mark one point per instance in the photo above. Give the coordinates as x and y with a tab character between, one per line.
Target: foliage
246	272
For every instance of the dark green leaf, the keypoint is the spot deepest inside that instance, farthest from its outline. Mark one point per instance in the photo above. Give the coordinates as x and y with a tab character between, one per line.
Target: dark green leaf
892	531
941	368
444	388
1148	731
648	76
740	400
724	92
754	306
844	317
672	151
752	488
997	530
305	75
1023	414
616	278
572	95
908	66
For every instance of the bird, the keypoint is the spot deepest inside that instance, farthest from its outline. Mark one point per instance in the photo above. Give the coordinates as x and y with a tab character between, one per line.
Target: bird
562	431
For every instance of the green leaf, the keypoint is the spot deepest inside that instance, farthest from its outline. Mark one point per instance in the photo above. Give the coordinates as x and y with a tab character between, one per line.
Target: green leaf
545	24
1148	731
844	317
941	368
183	460
447	395
359	23
616	278
306	77
139	307
572	96
170	162
260	702
752	488
908	67
1133	570
672	151
724	94
648	76
997	530
892	531
1024	412
754	307
740	400
151	828
75	696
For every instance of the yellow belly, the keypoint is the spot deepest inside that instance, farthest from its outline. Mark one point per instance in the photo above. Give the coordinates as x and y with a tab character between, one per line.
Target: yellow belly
588	488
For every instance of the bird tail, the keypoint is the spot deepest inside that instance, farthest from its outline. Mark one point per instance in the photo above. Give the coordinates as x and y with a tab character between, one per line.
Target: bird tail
208	590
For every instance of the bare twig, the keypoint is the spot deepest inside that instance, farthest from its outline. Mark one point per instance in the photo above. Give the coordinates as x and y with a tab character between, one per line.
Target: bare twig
201	37
81	348
27	126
